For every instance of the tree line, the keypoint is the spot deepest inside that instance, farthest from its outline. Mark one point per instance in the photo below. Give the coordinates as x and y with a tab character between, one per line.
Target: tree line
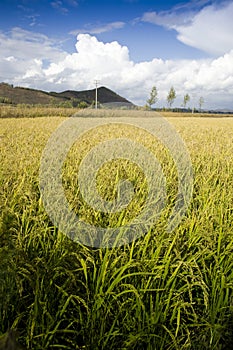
171	96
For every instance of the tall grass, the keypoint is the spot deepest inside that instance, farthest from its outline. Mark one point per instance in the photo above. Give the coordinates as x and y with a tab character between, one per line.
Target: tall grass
27	111
162	291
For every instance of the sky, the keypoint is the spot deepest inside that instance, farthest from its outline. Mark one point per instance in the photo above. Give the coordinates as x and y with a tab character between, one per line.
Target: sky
129	46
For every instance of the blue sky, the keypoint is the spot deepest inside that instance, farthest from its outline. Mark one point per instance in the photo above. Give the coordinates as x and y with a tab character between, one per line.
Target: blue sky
129	45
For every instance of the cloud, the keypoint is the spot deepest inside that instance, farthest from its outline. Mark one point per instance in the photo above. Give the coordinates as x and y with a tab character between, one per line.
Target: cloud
25	44
21	50
93	60
73	3
32	19
58	5
99	29
167	19
111	64
28	14
211	30
181	13
208	29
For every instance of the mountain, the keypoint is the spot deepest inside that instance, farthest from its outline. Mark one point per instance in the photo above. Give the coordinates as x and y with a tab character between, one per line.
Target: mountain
16	95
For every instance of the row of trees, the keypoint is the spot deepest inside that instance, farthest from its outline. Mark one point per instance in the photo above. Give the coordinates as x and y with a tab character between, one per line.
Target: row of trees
170	98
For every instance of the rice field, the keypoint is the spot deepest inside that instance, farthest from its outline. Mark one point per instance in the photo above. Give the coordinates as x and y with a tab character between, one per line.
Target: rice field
162	290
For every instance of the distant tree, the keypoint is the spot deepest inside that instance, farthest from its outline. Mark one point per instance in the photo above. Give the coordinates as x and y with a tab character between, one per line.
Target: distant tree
65	104
153	97
75	102
171	96
201	102
82	104
185	100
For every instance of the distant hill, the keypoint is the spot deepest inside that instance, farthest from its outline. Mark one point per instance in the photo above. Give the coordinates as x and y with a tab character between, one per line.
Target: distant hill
16	95
104	95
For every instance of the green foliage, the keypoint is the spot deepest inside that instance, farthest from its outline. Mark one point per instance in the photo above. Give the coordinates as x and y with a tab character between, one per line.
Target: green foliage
65	104
83	104
74	102
153	97
185	100
5	100
171	96
163	291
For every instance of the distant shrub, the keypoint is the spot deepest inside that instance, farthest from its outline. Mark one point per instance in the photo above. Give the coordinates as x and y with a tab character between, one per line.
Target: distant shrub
5	100
83	104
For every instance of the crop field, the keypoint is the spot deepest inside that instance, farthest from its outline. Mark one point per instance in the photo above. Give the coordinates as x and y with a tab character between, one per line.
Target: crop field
162	290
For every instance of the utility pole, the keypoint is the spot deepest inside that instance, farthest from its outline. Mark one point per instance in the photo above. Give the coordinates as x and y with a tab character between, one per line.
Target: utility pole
96	95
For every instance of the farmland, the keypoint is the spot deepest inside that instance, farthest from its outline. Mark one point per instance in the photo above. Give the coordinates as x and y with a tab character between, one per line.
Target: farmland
164	290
